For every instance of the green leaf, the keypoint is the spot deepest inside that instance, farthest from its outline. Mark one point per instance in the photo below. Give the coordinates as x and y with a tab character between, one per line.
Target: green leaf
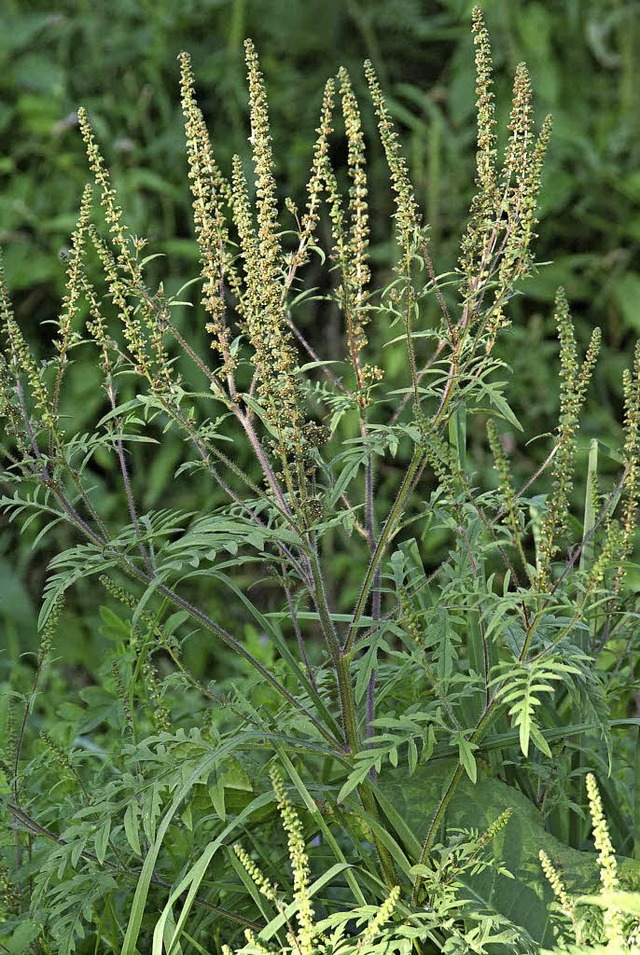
627	902
467	759
21	938
501	405
216	794
132	826
354	779
412	755
590	507
114	627
627	292
101	841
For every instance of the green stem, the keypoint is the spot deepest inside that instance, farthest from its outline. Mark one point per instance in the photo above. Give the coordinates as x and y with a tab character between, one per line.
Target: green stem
339	660
365	792
383	540
348	713
482	726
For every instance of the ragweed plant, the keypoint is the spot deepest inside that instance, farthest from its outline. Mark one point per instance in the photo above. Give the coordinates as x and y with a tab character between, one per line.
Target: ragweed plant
365	929
620	930
345	642
308	937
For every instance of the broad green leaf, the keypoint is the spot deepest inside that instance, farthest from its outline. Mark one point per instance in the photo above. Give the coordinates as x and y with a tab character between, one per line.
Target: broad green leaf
526	898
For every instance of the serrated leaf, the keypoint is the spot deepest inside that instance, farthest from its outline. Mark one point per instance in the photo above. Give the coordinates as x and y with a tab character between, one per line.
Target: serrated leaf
504	410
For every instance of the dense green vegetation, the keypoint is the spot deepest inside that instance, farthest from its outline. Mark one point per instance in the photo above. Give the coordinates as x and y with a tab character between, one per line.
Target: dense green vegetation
309	584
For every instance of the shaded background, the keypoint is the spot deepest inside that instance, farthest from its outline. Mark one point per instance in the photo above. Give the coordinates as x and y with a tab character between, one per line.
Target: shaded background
119	60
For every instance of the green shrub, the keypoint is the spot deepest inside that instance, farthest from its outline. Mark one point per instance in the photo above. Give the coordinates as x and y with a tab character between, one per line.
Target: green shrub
422	716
